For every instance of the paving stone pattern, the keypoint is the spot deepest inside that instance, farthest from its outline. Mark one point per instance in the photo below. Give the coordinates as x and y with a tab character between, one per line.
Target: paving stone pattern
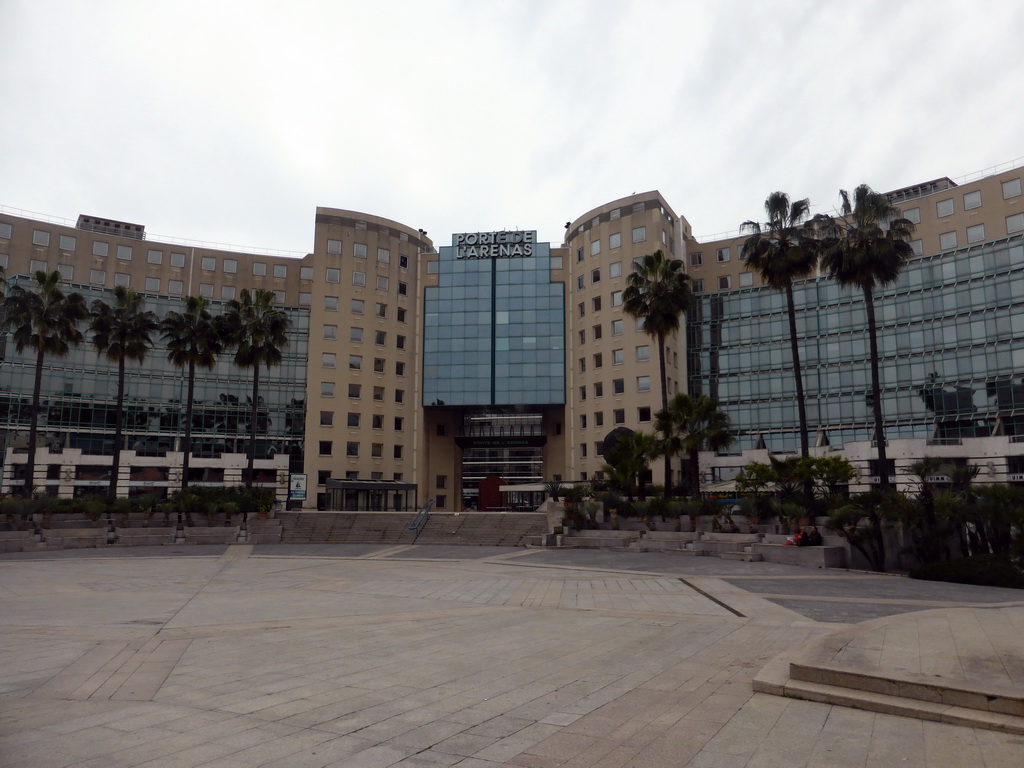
413	656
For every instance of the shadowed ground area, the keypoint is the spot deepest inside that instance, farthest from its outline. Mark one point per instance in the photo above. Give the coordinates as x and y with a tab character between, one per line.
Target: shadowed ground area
356	655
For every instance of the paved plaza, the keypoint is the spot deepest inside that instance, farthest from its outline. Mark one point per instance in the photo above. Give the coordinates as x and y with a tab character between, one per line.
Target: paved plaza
369	656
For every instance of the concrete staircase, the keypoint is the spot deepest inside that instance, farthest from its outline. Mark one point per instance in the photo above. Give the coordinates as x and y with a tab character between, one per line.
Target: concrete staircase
848	668
467	528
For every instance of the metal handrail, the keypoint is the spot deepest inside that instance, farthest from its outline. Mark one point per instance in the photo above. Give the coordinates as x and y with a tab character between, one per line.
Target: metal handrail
421	519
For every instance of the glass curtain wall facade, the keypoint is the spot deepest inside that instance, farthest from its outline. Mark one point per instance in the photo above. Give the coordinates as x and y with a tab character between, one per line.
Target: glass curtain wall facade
494	331
78	398
951	341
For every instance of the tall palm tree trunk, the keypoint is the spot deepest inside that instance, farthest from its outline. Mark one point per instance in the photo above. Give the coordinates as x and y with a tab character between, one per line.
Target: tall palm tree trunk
794	346
664	407
187	445
33	428
115	470
252	426
876	406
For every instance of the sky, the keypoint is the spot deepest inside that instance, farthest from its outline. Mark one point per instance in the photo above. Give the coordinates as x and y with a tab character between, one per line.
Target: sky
229	122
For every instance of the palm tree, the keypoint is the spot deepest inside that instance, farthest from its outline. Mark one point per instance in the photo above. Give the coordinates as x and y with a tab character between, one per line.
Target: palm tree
122	332
258	331
691	425
628	461
658	292
193	341
44	319
780	253
866	248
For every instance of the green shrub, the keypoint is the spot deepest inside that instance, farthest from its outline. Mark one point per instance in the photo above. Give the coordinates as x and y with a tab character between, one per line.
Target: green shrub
984	570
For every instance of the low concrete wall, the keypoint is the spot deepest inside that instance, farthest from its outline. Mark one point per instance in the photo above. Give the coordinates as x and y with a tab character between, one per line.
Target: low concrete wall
814	557
74	538
144	537
210	535
16	541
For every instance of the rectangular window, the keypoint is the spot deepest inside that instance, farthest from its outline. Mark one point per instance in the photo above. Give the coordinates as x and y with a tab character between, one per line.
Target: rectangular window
326	418
580	282
1015	223
403	261
643	383
351	449
357	306
643	413
643	353
382	283
175	287
334	247
618	386
441	482
5	230
102	249
596	303
383	255
259	269
917	246
401	311
153	284
155	257
330	331
595	276
913	215
722	255
583	421
1011	188
583	309
354	391
399	395
326	447
724	282
39	237
124	252
583	337
598	360
305	299
976	233
947	240
697	286
279	297
355	334
120	278
398	452
696	259
399	423
595	247
377	450
639	234
327	389
177	259
98	276
359	250
944	207
67	272
583	365
281	270
34	265
619	416
615	240
616	298
403	289
305	273
400	341
583	450
207	263
353	419
579	254
615	269
746	279
378	365
378	393
358	278
598	418
377	421
598	389
972	200
618	356
616	327
596	332
322	476
381	310
399	368
67	243
380	338
583	393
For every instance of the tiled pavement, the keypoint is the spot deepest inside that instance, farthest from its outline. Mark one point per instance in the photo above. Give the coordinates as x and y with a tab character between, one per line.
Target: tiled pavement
441	656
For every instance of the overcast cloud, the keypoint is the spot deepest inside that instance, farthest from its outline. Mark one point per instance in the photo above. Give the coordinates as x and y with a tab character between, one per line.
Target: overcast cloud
230	122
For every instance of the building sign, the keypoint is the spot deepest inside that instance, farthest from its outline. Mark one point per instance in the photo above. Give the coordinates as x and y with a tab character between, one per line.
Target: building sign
297	488
494	245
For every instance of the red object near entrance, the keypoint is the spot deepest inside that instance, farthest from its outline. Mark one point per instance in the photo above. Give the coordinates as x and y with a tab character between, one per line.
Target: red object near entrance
490	493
